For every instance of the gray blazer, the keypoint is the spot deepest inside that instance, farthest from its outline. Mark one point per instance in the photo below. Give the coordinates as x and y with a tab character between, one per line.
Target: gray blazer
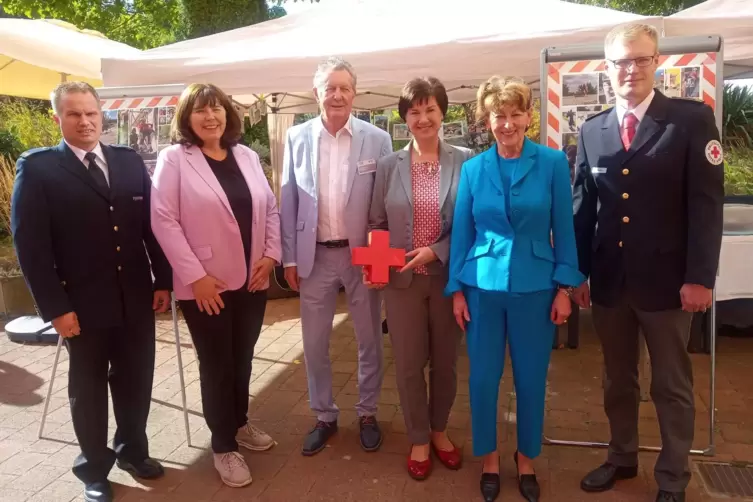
392	204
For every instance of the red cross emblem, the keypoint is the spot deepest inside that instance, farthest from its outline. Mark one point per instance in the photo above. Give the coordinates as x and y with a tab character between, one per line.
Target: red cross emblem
714	153
378	257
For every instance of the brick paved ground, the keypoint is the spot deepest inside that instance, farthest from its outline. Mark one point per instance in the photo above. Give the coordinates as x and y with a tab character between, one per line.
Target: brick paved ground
39	470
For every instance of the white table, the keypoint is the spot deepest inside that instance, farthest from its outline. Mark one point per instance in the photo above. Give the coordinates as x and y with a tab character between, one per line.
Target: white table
735	268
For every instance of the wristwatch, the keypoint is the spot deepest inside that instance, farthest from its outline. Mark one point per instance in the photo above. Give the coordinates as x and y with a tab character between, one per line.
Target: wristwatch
568	290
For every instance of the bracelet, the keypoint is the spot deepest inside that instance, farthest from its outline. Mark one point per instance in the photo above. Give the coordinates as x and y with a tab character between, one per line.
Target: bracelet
568	290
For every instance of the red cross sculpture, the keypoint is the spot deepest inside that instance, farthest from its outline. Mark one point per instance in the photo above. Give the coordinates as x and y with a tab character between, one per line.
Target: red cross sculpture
378	257
715	152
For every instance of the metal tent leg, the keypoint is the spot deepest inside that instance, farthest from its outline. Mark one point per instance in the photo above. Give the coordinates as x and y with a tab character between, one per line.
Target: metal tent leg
710	450
49	388
173	306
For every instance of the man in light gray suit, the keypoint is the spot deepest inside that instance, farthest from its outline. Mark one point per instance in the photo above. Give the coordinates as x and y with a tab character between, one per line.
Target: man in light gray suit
328	175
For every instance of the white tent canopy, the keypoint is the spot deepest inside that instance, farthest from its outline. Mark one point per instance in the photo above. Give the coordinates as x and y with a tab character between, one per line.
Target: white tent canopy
35	55
731	19
387	41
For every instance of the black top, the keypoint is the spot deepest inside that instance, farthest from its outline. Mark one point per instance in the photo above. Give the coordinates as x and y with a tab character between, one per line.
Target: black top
234	184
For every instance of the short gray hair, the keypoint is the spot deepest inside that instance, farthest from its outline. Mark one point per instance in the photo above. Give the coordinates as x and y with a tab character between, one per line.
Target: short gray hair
68	87
631	32
331	64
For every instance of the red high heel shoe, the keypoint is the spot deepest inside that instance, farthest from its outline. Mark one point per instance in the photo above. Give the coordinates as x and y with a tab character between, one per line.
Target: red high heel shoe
419	469
451	459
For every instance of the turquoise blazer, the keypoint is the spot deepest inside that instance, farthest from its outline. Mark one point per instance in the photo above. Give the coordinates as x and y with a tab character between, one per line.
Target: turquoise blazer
530	249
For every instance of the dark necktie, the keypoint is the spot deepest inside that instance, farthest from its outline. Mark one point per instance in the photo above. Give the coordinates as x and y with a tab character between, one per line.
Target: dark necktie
629	124
96	172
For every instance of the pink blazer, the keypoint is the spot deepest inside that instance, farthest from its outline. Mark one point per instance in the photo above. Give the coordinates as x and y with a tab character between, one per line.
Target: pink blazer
193	222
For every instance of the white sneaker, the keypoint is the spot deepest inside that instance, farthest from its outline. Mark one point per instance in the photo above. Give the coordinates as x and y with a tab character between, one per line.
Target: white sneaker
253	438
233	469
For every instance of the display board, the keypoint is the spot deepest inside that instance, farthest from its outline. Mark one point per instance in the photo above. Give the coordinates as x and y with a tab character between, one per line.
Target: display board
576	90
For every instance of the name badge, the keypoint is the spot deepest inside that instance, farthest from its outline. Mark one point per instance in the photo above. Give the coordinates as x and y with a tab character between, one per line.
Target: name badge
598	170
366	166
138	198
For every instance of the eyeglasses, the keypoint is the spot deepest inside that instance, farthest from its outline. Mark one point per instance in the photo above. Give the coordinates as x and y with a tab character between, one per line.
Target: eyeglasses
641	62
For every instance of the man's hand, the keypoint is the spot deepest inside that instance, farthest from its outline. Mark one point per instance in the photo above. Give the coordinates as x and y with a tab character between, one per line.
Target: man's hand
161	301
582	296
67	325
291	276
260	272
695	298
206	292
370	284
421	256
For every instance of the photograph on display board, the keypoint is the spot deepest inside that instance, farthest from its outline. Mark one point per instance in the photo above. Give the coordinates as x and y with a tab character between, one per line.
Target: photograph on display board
165	118
110	132
382	122
690	82
364	115
580	89
145	123
568	120
400	132
606	93
672	82
453	130
478	137
126	134
659	80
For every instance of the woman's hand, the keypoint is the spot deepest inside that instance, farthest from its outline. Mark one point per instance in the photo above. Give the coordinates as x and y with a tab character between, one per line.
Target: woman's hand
421	256
561	308
260	272
369	284
460	309
206	292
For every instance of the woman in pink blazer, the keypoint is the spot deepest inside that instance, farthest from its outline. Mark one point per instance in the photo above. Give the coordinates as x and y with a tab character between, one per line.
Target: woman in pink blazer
216	219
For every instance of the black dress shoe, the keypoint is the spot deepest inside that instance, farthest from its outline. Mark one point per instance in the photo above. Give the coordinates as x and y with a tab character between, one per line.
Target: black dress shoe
603	478
146	469
527	484
318	437
99	491
489	486
371	436
664	496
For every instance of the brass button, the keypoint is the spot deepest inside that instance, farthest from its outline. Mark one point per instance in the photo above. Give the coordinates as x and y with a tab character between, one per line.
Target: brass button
625	195
117	249
626	171
115	228
112	208
120	268
619	243
625	219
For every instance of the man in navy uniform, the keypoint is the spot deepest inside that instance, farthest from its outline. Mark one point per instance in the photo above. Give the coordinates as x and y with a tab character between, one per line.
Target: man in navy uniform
648	202
82	232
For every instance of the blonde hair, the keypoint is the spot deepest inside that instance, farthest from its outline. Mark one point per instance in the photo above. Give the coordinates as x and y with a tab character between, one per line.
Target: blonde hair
63	88
498	92
631	32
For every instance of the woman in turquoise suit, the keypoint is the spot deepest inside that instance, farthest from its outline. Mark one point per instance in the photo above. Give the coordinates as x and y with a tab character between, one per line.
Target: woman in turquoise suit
513	264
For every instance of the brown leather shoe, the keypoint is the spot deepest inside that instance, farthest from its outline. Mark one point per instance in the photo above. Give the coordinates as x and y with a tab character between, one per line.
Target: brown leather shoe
603	478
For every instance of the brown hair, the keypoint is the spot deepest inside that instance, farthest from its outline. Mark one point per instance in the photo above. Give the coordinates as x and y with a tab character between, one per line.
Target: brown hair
197	96
418	91
498	92
63	88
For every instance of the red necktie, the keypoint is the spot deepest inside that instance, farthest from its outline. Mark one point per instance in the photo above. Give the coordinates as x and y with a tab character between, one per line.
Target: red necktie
628	129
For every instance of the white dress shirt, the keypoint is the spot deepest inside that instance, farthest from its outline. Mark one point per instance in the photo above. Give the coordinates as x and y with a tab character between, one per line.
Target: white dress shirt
100	160
334	153
639	111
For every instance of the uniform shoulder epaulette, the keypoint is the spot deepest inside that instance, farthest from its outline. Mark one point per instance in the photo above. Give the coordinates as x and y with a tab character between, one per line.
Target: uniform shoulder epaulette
34	151
606	110
122	147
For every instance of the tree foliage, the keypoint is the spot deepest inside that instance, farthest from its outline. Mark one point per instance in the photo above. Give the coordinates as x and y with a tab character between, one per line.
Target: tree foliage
206	17
643	7
143	24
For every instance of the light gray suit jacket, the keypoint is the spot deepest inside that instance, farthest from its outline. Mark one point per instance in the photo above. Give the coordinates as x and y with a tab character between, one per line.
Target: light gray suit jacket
299	209
392	204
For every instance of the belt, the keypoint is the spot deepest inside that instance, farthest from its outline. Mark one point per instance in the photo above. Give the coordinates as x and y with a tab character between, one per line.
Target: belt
342	243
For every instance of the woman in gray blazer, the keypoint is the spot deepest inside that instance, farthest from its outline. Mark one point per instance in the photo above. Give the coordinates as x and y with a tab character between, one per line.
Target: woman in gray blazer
414	198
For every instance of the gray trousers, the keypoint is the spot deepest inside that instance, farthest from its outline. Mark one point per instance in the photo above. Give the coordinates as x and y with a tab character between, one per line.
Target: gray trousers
667	333
423	330
318	293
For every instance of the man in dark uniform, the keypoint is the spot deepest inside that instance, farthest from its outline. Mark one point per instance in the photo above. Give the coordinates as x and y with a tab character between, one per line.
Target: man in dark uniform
648	201
81	227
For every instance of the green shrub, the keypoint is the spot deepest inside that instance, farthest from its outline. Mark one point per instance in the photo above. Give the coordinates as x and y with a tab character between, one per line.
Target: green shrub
737	119
9	144
30	123
738	171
